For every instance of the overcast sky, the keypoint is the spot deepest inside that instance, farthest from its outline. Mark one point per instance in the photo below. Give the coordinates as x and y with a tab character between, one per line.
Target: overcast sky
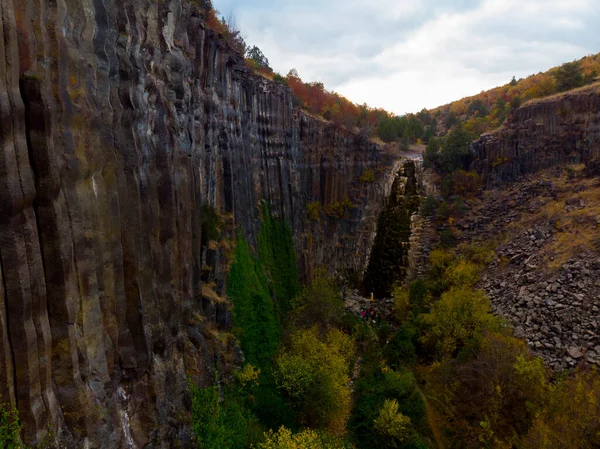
404	55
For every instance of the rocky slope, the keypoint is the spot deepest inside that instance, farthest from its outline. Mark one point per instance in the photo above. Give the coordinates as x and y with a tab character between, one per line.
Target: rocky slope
543	133
120	120
544	280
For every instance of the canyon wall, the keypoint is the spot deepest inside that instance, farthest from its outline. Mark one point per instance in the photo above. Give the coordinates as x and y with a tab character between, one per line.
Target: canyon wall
120	122
563	129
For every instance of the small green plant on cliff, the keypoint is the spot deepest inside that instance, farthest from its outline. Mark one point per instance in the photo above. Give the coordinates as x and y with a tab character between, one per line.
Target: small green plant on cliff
10	428
367	176
211	224
313	211
338	209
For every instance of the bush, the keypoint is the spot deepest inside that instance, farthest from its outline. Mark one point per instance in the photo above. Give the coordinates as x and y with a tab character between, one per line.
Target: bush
447	238
429	206
313	211
307	439
10	428
280	79
367	176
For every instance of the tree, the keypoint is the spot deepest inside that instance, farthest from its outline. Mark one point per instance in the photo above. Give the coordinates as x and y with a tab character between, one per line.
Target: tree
319	304
392	423
307	439
572	417
515	102
387	129
313	373
513	81
451	120
455	152
457	317
432	152
568	76
259	59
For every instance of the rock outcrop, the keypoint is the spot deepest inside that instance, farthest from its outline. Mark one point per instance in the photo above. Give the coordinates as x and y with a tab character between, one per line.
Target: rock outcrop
563	129
119	121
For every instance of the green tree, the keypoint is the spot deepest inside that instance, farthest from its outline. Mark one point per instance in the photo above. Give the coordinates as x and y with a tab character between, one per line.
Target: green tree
307	439
513	81
455	153
432	153
387	129
257	56
515	102
568	76
457	317
313	373
392	423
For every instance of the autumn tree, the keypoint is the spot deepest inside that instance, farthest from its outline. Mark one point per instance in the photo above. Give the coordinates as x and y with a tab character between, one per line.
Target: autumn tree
313	373
457	317
306	439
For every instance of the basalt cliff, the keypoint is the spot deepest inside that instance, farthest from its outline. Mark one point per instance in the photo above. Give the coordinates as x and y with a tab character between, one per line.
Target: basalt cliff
563	129
121	121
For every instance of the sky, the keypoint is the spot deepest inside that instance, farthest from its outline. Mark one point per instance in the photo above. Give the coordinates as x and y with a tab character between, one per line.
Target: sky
406	55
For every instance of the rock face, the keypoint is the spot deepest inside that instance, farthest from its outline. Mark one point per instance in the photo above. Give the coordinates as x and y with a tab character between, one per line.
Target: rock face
564	129
119	121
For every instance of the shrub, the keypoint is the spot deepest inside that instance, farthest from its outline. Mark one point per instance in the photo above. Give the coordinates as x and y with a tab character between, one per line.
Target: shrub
307	439
367	176
429	206
313	211
447	238
10	428
280	79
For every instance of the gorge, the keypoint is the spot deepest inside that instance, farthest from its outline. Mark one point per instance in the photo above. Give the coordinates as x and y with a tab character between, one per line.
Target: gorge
137	148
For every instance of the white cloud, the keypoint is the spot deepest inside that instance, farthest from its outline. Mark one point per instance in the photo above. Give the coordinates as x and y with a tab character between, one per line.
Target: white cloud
404	56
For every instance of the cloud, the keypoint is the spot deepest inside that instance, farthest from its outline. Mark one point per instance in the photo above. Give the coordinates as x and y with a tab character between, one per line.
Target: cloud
404	56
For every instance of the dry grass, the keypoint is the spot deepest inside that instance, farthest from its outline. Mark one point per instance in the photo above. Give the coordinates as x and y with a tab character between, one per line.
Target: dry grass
209	293
577	228
592	88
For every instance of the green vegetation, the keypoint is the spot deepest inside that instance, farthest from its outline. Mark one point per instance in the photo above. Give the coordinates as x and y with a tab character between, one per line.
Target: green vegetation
313	372
220	424
253	311
367	176
306	439
278	257
337	209
313	211
10	428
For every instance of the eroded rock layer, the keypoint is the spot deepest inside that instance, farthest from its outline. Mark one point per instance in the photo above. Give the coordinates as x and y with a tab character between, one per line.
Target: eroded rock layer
563	129
119	121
